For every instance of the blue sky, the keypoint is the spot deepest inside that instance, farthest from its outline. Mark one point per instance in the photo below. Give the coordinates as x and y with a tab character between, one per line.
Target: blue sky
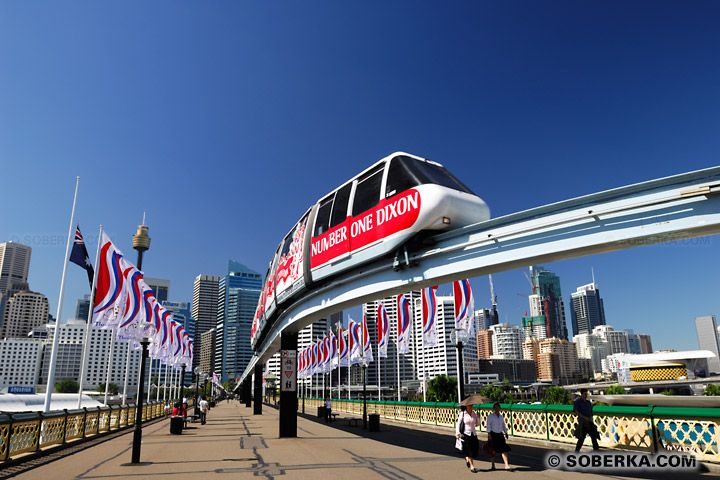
225	120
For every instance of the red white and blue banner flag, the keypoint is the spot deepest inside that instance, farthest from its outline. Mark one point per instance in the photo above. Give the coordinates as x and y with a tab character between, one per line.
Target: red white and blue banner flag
403	322
333	350
110	289
354	341
429	314
383	330
464	307
342	348
367	347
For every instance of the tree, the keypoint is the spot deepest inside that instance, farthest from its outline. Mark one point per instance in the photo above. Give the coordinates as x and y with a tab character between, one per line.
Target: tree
712	390
615	390
67	386
442	389
113	389
557	396
494	394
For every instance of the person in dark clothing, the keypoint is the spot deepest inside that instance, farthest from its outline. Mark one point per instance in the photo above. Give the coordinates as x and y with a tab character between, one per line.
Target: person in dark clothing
583	409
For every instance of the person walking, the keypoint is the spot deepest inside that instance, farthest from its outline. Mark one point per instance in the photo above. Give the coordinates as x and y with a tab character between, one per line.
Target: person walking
203	410
497	434
328	410
465	432
583	409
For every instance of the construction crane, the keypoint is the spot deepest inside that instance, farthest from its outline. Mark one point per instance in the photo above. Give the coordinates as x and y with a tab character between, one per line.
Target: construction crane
493	300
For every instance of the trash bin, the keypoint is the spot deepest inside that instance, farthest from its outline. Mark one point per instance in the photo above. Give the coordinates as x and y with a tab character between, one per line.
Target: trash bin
176	424
374	422
321	411
212	403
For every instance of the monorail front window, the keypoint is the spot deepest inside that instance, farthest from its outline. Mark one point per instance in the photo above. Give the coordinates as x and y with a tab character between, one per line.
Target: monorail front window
406	172
340	205
322	220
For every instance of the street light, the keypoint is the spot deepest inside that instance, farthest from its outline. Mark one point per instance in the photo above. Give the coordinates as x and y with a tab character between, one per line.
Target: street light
458	336
197	371
145	333
364	372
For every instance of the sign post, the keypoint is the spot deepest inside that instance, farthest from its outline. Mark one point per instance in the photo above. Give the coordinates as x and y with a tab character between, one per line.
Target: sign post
288	385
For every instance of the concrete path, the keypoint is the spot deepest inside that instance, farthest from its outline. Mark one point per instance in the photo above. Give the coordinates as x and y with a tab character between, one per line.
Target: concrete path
235	444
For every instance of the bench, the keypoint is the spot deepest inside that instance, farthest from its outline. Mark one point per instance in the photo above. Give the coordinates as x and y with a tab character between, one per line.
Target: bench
353	421
192	419
333	416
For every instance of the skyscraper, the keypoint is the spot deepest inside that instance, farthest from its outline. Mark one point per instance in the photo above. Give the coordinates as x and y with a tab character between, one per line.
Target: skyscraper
204	310
14	267
485	318
708	340
238	295
23	312
587	310
547	285
507	341
82	308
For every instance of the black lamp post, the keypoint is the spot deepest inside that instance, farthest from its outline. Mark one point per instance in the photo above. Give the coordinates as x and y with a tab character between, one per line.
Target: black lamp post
137	434
364	374
457	336
197	390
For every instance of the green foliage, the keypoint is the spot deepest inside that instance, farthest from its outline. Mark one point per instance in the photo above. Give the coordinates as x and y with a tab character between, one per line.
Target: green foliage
669	392
442	389
615	390
67	386
113	389
712	390
498	394
557	396
227	386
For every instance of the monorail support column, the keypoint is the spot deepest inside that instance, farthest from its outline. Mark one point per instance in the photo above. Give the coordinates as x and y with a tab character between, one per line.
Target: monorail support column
288	385
257	394
247	392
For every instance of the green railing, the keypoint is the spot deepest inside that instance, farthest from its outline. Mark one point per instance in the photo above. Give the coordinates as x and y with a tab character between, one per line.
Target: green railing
650	429
26	433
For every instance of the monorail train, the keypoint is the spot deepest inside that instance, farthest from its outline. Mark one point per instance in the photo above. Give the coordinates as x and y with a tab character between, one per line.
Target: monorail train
370	216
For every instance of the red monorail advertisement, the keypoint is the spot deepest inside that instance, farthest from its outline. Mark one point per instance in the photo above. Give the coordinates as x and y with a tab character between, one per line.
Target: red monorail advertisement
387	218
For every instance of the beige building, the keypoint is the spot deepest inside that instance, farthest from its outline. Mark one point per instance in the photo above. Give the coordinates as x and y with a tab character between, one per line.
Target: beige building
23	312
555	359
484	344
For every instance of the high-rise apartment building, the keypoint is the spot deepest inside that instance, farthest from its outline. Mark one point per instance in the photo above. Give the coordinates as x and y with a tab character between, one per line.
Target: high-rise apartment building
82	308
555	359
20	361
485	318
207	359
204	309
484	344
592	347
507	341
23	312
550	304
706	329
587	310
14	268
238	295
535	327
617	339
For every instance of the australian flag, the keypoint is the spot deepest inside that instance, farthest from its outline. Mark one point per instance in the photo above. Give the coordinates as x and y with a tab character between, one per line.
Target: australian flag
79	255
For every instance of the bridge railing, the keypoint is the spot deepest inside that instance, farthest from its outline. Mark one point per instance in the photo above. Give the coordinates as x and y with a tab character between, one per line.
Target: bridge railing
649	429
26	433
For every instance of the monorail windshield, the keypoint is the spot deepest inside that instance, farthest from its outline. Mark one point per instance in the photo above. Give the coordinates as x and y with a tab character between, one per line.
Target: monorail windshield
407	172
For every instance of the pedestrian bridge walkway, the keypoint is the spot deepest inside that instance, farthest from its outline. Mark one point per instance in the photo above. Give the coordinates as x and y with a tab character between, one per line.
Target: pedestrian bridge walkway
236	444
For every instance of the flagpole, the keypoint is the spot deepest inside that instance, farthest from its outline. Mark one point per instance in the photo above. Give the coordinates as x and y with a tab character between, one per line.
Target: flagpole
149	379
157	387
110	354
56	336
127	375
88	330
397	351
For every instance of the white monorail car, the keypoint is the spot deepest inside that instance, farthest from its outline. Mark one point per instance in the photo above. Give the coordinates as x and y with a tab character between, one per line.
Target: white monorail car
368	217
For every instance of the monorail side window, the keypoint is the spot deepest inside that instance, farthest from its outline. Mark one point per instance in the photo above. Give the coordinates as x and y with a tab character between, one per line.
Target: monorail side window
367	192
406	172
340	205
322	220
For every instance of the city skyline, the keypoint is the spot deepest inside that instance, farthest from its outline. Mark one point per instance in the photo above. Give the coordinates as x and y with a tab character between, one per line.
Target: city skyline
526	106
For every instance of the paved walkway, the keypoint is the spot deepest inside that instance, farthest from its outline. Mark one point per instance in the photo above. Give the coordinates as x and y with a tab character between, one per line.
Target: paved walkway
235	444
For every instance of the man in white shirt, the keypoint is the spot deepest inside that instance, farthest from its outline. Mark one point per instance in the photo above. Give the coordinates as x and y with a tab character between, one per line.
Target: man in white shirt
203	410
